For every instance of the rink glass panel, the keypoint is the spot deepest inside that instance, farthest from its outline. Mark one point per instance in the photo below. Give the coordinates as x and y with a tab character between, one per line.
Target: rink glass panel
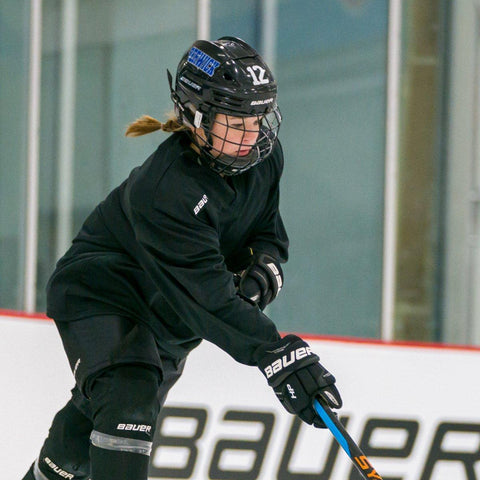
123	51
330	65
14	40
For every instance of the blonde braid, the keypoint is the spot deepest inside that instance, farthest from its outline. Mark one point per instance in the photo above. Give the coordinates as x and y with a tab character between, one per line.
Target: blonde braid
146	124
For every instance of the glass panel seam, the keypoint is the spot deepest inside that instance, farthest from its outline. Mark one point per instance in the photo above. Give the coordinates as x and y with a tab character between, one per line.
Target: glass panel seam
31	216
391	168
203	20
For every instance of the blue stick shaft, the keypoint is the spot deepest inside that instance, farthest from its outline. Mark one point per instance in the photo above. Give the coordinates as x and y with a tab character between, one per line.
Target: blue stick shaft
358	458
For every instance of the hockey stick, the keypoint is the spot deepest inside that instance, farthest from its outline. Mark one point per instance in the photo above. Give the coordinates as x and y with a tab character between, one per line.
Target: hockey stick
356	455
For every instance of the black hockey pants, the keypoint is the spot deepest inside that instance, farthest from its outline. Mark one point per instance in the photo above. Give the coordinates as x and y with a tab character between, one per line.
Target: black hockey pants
107	432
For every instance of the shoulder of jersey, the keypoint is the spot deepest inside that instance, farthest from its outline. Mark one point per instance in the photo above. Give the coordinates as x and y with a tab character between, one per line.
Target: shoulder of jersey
185	186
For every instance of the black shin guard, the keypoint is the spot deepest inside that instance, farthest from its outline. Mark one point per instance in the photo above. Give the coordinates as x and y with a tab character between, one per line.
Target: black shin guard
125	406
116	465
65	453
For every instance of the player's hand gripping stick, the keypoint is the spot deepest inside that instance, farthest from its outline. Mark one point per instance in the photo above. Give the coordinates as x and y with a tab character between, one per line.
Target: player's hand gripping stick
297	378
356	455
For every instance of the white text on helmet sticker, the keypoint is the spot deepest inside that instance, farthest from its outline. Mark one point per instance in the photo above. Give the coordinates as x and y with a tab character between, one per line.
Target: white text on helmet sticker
190	83
261	102
258	75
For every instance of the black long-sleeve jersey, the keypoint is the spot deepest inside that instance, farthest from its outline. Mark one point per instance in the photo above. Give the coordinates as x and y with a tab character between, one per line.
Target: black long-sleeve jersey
160	250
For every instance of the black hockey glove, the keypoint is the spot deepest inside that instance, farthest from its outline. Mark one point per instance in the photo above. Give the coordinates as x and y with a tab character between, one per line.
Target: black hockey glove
262	281
296	376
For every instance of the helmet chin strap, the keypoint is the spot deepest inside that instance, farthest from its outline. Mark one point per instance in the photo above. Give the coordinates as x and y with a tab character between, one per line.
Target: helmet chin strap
200	122
188	118
183	113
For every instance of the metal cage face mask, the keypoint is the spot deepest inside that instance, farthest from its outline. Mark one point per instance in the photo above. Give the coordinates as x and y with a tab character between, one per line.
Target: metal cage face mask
230	145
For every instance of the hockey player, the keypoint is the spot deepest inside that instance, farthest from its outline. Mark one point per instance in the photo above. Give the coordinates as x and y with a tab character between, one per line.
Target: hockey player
189	247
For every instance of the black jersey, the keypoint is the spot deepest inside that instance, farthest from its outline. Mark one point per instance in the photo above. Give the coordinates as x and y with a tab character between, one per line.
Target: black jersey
160	250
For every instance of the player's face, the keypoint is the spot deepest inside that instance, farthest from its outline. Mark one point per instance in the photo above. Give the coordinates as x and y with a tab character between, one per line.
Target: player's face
234	136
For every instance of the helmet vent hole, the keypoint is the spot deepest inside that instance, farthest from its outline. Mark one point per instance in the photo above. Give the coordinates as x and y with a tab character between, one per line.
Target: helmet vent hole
227	77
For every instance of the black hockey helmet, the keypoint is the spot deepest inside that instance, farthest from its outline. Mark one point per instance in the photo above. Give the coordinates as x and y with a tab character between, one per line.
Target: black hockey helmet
227	77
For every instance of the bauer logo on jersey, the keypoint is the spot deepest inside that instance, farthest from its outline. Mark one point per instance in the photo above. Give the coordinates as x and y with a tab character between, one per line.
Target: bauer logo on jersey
202	61
200	204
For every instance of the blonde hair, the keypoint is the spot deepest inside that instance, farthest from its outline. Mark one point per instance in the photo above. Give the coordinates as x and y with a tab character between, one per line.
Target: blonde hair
146	124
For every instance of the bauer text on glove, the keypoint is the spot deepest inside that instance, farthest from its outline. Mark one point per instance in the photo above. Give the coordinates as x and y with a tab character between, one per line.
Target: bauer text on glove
297	377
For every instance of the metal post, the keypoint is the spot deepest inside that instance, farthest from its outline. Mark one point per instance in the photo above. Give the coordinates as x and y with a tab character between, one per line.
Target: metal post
66	133
269	31
391	168
203	19
33	148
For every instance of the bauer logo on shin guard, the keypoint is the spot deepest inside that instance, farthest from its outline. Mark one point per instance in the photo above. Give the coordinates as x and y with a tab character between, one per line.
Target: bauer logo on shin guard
286	360
134	427
60	472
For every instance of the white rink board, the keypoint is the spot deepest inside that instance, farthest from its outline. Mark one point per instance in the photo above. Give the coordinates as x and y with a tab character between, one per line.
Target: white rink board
420	405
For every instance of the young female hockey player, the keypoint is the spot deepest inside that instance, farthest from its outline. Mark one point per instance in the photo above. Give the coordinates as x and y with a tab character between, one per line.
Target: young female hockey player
189	247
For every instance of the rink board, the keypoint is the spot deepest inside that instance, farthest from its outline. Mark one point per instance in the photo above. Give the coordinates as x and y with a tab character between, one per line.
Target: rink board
415	410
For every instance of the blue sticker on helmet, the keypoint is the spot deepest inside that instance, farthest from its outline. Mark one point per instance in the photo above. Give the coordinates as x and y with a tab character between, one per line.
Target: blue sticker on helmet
202	61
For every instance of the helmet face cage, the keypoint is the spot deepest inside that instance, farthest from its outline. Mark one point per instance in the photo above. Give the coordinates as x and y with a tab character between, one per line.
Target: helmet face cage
231	145
226	94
